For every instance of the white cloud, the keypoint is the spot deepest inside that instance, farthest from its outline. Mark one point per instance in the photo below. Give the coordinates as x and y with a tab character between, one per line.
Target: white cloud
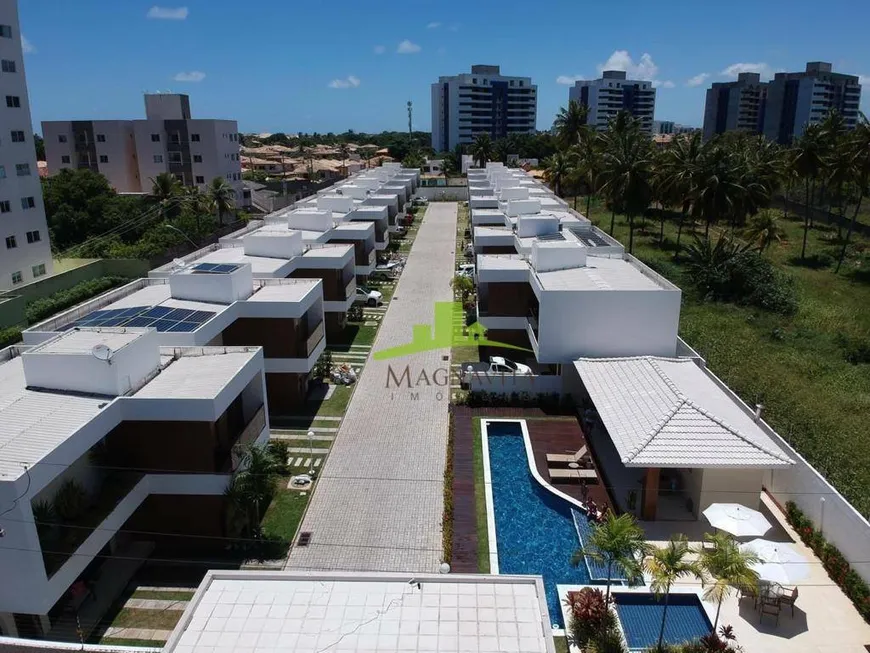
26	46
407	47
698	79
167	13
645	68
433	25
192	76
736	68
568	80
659	83
348	82
380	49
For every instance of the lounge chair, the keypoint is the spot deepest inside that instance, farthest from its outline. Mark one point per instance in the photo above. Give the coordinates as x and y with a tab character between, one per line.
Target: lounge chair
568	458
788	596
571	474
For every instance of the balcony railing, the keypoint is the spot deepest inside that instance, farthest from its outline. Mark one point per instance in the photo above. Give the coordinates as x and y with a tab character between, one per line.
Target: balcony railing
533	322
314	339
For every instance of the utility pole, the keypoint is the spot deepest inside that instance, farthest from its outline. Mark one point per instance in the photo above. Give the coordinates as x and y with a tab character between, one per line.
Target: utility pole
410	112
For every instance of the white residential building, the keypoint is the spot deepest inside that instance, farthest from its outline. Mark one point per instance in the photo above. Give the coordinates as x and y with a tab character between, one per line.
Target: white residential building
130	153
481	102
218	304
143	435
25	253
611	94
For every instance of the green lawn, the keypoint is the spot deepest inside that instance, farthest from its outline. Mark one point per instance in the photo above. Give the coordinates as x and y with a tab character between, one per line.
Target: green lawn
335	406
120	641
163	596
353	334
154	619
302	442
796	366
561	644
285	512
480	500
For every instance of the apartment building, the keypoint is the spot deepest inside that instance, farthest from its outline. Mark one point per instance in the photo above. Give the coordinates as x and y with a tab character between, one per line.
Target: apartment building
203	303
142	435
280	253
795	100
613	93
481	102
738	105
25	254
496	184
130	153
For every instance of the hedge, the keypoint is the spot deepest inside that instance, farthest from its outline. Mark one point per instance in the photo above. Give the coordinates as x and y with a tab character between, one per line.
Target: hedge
834	562
40	309
9	336
447	517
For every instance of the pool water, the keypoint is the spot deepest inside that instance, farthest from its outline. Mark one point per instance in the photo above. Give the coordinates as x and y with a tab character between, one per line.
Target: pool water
641	618
534	528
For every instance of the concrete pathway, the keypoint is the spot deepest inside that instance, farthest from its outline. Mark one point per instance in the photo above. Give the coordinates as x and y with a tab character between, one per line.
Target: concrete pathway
378	502
117	632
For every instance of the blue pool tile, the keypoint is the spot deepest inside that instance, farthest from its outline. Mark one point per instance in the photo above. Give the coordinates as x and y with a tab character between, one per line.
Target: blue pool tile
641	618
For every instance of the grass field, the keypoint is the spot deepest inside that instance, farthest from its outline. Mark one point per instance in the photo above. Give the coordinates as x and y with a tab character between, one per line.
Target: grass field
285	511
796	366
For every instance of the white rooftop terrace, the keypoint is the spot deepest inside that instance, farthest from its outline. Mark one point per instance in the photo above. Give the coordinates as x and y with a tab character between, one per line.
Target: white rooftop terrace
265	612
598	274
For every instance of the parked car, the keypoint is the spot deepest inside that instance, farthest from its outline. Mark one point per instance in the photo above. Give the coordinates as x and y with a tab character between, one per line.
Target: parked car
368	296
466	270
496	365
419	201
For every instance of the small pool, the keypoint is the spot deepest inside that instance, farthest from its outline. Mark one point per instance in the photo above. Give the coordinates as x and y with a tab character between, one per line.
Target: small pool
534	528
641	618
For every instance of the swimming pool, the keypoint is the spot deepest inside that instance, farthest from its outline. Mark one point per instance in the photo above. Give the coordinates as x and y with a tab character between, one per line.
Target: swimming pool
641	618
534	528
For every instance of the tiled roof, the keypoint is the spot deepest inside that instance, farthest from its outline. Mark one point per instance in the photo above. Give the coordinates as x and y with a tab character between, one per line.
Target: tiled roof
667	412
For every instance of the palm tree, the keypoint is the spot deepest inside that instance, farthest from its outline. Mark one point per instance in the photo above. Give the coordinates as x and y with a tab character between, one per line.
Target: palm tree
253	483
808	161
570	123
198	203
728	566
481	149
588	162
860	149
617	542
557	170
665	567
343	152
165	189
764	229
501	150
681	167
718	192
222	197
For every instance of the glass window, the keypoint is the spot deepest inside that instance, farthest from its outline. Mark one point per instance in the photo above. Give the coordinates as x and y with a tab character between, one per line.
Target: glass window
61	138
6	31
22	169
33	237
8	66
197	158
64	159
194	138
5	206
155	138
101	138
200	179
18	136
175	157
104	158
158	158
27	203
175	137
17	278
10	242
13	101
38	270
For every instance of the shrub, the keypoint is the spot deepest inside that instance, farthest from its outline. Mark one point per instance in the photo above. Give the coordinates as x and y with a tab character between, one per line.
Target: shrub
40	309
355	313
280	451
323	367
9	336
447	515
70	500
589	615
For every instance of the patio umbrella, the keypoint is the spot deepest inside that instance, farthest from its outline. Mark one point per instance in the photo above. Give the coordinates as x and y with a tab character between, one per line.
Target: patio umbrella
738	520
780	563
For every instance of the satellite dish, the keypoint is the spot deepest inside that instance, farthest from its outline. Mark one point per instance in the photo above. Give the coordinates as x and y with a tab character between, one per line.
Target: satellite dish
102	352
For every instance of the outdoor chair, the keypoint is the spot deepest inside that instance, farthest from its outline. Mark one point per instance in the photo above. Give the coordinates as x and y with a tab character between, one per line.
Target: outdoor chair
788	597
572	474
569	457
770	609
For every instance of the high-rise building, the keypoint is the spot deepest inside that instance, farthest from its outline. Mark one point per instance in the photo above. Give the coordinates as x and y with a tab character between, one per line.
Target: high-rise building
481	102
129	153
25	254
738	105
612	93
795	100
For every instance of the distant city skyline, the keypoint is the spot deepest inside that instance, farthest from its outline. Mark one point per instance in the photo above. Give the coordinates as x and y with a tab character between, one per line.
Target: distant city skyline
356	66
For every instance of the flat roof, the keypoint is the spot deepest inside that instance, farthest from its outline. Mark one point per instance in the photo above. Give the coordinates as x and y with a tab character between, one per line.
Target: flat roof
668	412
330	250
289	290
83	342
501	262
259	264
599	273
196	377
330	611
486	230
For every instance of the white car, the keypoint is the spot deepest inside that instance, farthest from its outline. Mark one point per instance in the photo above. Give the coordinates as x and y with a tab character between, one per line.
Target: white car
466	270
367	296
507	366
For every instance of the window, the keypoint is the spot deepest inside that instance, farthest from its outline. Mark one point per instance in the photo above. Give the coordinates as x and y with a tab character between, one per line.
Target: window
104	158
474	80
200	179
61	138
64	159
5	206
33	237
10	242
194	138
6	31
158	158
16	276
521	83
17	136
38	270
175	157
22	169
27	203
13	101
197	158
8	66
155	138
101	138
512	82
175	137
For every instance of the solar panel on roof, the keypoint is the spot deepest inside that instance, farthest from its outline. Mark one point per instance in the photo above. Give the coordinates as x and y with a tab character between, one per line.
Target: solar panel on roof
157	311
215	268
178	314
140	321
162	318
588	237
553	236
183	327
163	325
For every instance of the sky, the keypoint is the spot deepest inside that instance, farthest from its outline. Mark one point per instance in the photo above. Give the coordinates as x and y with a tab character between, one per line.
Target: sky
289	65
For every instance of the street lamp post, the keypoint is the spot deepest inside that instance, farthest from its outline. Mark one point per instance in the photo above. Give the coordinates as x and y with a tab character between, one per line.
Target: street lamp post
311	472
188	238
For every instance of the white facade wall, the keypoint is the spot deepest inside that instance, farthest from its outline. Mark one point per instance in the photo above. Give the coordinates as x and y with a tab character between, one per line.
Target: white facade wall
19	176
609	95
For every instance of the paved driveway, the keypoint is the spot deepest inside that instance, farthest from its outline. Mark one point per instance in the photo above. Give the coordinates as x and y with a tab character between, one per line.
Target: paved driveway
378	503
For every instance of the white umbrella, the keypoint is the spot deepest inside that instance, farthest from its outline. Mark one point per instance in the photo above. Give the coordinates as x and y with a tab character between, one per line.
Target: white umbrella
738	520
780	563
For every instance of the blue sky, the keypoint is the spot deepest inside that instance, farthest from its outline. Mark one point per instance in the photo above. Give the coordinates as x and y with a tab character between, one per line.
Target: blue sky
312	66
